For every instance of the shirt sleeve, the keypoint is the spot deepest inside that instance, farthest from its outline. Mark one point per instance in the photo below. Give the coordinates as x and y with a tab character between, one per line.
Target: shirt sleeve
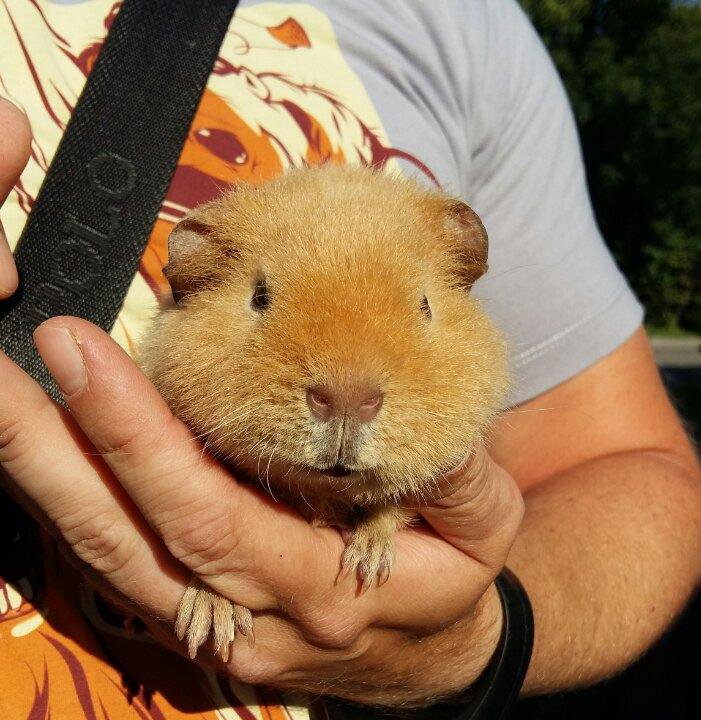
553	287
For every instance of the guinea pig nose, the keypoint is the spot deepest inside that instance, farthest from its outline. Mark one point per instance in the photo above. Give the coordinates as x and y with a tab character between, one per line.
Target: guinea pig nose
321	403
368	406
360	402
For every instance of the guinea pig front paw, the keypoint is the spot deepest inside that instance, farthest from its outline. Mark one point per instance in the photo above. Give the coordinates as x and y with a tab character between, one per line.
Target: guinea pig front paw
202	610
370	550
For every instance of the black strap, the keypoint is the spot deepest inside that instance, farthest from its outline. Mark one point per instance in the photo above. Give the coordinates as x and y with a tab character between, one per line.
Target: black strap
90	224
495	694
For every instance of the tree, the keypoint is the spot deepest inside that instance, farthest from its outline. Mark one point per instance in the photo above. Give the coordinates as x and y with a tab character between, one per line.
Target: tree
633	72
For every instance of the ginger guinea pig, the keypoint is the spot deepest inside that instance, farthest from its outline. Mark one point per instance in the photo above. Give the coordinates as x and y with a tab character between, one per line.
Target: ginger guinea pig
324	341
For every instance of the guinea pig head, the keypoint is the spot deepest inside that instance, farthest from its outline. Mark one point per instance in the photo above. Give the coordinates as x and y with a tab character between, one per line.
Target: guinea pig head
324	334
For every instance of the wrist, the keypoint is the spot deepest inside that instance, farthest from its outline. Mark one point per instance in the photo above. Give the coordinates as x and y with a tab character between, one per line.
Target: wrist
496	691
499	643
451	662
464	652
482	638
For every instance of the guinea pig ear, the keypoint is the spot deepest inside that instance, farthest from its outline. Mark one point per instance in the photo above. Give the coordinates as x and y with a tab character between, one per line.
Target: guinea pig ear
190	249
470	242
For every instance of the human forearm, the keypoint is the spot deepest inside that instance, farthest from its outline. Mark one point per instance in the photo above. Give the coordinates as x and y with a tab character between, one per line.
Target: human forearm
609	552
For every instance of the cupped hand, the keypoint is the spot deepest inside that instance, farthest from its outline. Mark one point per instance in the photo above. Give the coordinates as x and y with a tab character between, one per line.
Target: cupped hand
15	141
139	505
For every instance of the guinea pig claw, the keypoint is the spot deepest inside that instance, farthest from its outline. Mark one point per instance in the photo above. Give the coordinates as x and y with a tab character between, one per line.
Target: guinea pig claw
222	651
243	620
346	567
367	581
200	620
223	625
370	556
202	610
182	621
379	572
383	572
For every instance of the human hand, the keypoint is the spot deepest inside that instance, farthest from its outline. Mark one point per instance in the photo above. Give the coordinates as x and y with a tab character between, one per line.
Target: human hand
131	495
14	151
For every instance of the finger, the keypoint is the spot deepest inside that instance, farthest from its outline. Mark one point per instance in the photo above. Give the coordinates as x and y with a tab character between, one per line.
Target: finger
70	491
15	144
208	521
8	270
480	509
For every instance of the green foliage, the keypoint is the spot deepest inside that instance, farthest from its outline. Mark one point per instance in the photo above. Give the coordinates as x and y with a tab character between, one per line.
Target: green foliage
633	72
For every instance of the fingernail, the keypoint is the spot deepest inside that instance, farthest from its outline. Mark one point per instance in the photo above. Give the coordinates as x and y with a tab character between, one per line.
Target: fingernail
61	353
8	271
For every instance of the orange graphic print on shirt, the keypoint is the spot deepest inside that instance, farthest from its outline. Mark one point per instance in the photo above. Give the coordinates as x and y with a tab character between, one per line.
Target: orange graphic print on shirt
281	95
68	654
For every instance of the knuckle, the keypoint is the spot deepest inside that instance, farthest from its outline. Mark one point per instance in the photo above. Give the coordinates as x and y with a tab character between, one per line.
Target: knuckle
18	435
127	434
12	441
478	482
506	527
331	630
518	510
203	539
126	441
255	670
101	541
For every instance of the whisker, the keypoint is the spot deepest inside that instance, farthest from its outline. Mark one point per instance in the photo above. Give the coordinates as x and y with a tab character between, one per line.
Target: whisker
530	266
305	499
533	410
267	473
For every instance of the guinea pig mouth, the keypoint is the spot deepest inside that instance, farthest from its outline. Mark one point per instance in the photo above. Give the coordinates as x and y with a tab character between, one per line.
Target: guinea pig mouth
338	470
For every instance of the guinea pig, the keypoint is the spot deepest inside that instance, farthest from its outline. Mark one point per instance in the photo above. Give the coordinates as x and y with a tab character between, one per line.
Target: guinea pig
323	339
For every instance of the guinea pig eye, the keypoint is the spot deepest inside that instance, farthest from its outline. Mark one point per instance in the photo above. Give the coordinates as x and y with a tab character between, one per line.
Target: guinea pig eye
260	299
426	308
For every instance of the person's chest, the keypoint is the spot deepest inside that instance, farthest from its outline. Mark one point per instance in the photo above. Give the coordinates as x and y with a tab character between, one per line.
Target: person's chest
368	82
381	84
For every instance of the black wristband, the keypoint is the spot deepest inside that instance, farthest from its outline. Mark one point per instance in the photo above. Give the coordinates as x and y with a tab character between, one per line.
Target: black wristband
493	695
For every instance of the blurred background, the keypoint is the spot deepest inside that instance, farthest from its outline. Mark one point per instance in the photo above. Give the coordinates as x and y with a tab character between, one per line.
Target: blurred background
633	72
632	69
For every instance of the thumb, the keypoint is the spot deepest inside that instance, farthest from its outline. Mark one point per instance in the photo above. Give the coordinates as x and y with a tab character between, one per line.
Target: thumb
15	142
478	510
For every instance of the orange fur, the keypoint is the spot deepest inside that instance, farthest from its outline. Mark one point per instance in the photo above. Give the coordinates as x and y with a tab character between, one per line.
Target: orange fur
347	255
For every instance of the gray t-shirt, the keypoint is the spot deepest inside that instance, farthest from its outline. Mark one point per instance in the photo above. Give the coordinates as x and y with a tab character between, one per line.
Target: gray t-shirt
460	92
467	87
